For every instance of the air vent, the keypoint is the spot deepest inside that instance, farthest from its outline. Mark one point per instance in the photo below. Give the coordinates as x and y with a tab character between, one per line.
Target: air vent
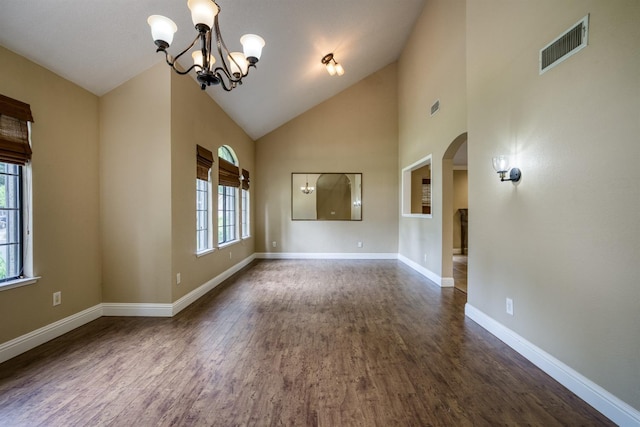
435	107
567	44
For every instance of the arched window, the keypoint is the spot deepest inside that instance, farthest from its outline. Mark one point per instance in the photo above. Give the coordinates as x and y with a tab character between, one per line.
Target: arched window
228	184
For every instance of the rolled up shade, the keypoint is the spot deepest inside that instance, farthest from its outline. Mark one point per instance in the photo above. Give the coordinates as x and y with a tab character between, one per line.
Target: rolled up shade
245	179
228	173
14	131
205	161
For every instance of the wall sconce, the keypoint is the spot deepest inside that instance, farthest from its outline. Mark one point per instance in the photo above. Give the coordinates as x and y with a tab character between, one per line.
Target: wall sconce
333	67
501	165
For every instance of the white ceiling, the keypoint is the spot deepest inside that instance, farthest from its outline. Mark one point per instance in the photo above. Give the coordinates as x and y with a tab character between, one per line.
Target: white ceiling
101	44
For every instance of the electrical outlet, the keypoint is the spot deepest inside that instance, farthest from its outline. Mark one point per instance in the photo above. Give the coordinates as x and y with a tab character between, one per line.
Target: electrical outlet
510	306
178	279
57	298
273	244
359	244
230	255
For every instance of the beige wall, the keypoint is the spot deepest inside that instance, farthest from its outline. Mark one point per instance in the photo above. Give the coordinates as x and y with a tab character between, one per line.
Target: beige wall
135	183
460	201
197	120
355	131
66	240
432	67
564	243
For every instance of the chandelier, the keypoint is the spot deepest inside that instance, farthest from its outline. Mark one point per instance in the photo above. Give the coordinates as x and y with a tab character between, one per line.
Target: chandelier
234	65
306	189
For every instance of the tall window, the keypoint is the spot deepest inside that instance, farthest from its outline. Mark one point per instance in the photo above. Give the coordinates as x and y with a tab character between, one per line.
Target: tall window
228	183
244	203
204	229
15	153
10	221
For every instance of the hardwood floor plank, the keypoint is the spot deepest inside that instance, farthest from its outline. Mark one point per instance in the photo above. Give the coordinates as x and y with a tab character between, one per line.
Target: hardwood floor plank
293	343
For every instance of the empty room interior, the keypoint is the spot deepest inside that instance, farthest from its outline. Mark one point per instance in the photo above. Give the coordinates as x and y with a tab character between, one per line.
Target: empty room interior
421	212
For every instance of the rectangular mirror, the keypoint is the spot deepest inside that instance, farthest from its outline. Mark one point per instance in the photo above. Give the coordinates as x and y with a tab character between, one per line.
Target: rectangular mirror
326	196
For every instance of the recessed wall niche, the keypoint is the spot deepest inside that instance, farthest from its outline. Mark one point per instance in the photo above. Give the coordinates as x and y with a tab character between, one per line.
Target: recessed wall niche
416	189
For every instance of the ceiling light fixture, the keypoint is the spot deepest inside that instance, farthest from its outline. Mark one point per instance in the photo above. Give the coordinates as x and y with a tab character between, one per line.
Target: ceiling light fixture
306	189
234	65
333	67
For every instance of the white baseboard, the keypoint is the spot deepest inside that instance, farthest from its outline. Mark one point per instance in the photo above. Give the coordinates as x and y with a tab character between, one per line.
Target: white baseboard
457	251
33	339
134	309
193	296
609	405
443	282
312	255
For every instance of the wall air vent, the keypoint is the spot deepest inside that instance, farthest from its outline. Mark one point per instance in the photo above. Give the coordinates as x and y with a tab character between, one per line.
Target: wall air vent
435	107
567	44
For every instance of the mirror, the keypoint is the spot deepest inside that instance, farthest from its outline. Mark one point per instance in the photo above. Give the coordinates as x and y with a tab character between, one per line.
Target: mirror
326	196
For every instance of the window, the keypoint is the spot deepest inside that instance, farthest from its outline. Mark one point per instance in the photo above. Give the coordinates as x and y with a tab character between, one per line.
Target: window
15	154
11	228
245	203
204	229
228	183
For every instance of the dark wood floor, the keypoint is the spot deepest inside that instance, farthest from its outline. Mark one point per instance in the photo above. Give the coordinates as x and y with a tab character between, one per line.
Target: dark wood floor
295	343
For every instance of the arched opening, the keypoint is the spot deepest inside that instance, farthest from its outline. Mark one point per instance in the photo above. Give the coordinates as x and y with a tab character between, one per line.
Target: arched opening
455	213
333	197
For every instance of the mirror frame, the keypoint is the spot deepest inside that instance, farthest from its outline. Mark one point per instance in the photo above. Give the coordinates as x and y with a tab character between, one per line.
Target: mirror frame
296	195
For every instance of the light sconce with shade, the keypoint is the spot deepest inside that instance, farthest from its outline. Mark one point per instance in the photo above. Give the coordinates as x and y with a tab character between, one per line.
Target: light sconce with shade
306	189
333	67
501	165
234	66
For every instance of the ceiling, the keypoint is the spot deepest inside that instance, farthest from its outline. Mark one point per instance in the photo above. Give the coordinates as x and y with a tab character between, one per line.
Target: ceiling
101	44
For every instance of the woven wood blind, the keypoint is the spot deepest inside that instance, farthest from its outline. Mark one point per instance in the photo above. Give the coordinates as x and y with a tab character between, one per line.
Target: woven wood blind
205	161
245	179
14	132
228	173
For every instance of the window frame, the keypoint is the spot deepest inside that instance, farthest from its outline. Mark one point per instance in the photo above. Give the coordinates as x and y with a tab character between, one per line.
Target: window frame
203	186
228	220
245	214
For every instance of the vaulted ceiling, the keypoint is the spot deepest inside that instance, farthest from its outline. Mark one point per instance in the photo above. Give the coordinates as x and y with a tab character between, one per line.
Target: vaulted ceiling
101	44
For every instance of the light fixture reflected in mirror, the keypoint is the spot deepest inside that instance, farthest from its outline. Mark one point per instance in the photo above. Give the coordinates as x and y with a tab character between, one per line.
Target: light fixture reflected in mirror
501	166
306	189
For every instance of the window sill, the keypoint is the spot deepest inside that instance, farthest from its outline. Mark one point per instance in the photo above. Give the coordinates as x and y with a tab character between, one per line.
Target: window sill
206	252
227	244
11	284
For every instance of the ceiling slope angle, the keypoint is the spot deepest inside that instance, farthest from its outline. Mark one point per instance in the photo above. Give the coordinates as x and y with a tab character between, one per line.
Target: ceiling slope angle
100	45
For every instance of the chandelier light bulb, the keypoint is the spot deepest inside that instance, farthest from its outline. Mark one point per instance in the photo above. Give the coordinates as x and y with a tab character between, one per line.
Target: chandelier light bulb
252	46
238	63
203	12
162	30
339	69
197	58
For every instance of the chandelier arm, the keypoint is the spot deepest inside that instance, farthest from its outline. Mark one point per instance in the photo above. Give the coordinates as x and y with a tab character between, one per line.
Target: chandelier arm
222	74
171	61
221	45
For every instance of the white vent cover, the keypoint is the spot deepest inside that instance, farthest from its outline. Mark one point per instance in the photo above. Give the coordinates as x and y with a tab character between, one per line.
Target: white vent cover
435	107
567	44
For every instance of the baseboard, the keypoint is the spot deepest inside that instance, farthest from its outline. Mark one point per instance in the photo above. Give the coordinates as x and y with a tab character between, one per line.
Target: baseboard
314	255
33	339
457	251
137	309
193	296
609	405
443	282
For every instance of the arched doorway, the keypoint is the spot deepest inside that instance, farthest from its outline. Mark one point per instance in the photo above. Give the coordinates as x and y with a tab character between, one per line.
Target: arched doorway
454	160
